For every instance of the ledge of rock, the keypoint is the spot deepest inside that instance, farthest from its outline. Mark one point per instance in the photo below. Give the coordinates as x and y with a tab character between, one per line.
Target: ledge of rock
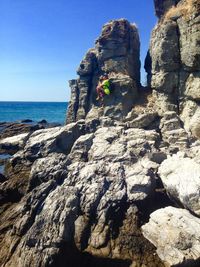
181	178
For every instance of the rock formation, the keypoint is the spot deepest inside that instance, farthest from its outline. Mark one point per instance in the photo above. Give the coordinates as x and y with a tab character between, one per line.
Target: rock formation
174	60
118	185
116	52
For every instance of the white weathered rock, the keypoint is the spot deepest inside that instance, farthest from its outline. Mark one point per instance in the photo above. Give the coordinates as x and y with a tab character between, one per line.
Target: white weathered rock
181	178
195	124
58	139
176	235
192	86
140	185
14	140
14	143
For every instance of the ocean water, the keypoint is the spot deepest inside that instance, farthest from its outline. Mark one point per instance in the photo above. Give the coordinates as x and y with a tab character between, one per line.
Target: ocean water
36	111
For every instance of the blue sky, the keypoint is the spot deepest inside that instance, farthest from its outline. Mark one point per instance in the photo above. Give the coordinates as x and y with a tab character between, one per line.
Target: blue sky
43	41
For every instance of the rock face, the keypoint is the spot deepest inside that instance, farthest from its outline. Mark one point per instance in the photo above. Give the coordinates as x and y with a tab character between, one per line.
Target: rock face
86	191
116	52
175	60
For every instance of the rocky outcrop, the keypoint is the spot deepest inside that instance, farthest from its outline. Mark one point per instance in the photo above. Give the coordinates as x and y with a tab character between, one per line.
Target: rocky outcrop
79	194
174	57
116	52
172	64
88	190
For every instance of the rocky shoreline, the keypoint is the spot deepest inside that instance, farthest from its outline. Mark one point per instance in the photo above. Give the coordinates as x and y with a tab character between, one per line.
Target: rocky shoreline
119	184
14	134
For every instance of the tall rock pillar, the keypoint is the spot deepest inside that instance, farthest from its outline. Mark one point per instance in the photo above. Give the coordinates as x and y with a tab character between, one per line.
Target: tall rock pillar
116	52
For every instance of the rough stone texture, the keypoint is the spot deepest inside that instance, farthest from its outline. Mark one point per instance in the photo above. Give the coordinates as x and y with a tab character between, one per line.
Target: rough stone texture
13	144
173	59
190	116
172	130
175	233
117	53
181	178
161	7
88	198
9	129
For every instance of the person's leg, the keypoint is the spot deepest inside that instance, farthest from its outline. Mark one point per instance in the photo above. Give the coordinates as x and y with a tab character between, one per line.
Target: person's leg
101	92
98	92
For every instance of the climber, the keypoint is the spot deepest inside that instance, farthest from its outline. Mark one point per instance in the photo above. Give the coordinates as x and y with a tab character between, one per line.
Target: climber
103	87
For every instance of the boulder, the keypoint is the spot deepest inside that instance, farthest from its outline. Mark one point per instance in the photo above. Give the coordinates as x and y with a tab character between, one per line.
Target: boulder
181	178
175	233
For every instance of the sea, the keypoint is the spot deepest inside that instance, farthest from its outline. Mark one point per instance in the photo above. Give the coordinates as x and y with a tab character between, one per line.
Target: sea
35	111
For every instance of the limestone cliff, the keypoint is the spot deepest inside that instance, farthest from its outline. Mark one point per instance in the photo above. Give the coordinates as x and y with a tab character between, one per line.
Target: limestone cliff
117	52
173	62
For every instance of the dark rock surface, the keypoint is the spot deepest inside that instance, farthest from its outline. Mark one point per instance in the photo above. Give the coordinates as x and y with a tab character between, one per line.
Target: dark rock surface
162	6
8	129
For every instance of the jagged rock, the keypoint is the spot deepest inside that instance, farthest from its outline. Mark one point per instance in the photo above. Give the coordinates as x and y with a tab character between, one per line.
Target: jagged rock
175	233
174	54
164	103
190	111
189	34
165	52
38	145
181	178
117	53
12	144
58	139
89	196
